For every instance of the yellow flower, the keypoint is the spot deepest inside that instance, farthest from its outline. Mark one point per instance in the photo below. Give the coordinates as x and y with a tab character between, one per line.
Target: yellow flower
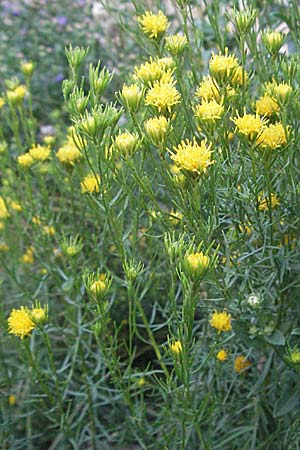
126	143
193	157
12	400
4	248
49	140
175	217
264	202
98	287
16	96
49	229
196	263
38	314
2	102
141	382
28	257
281	91
167	64
221	66
221	321
163	96
273	136
15	206
176	348
131	97
222	355
36	220
25	160
208	89
153	25
27	68
69	153
249	125
4	214
40	152
176	43
20	323
241	363
266	106
157	128
273	41
90	183
209	111
149	72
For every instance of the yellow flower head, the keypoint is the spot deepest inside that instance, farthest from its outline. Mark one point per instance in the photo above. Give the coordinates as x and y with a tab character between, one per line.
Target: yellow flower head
131	97
279	91
49	139
266	106
27	68
249	125
157	128
2	102
69	153
12	400
49	229
273	41
193	157
98	287
149	72
38	314
176	348
163	96
166	63
176	43
90	183
221	66
15	206
196	262
264	202
221	321
222	355
208	111
28	257
16	96
25	160
126	143
153	25
208	89
20	323
4	214
175	217
241	363
40	152
273	136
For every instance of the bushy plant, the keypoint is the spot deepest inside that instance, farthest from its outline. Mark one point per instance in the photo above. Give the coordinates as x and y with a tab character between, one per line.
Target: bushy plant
150	259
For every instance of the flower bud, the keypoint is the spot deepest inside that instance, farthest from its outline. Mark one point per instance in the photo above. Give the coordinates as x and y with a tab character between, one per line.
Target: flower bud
27	68
273	41
176	44
157	129
196	263
131	97
175	348
126	143
16	96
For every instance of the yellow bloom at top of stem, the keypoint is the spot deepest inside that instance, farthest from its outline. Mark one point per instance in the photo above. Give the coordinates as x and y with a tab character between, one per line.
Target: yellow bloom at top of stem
163	96
208	89
28	257
131	97
266	106
222	355
221	321
176	348
153	25
241	363
4	214
222	67
191	156
273	136
249	125
38	314
90	183
2	102
264	201
279	91
126	143
149	72
208	111
27	68
273	41
40	152
19	322
176	43
157	128
98	287
25	160
196	263
49	139
68	153
17	95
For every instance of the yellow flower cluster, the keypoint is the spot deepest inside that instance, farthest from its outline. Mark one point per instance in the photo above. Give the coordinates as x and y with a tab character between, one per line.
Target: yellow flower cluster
222	355
191	156
21	322
90	184
266	106
273	136
68	153
39	152
153	25
208	111
176	43
163	95
241	363
223	67
221	321
249	125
